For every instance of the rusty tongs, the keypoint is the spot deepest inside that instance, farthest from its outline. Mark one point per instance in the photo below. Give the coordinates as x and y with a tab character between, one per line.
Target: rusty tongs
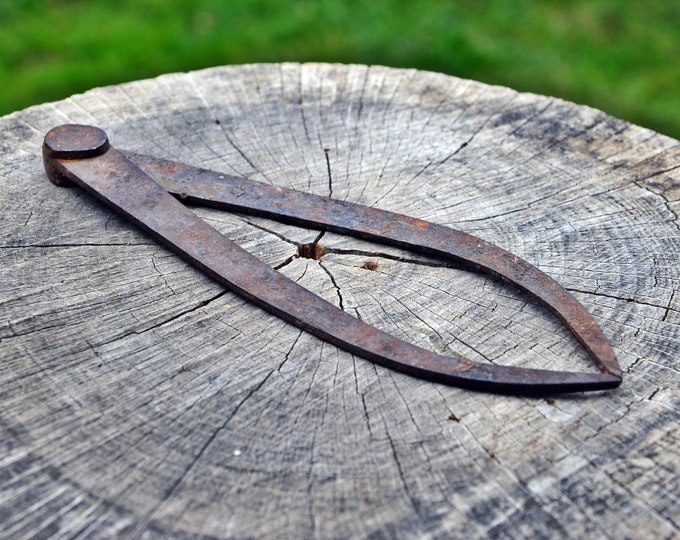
149	191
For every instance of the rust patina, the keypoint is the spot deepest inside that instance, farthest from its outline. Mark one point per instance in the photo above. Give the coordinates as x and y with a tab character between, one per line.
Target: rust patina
150	192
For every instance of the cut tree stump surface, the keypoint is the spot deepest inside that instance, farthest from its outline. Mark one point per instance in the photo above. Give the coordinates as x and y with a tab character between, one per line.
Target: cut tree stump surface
139	398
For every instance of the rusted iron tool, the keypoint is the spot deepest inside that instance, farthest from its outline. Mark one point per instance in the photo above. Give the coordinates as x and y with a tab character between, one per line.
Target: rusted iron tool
150	191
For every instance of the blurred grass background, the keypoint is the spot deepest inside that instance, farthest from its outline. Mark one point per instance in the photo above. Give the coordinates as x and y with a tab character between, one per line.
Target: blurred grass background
621	56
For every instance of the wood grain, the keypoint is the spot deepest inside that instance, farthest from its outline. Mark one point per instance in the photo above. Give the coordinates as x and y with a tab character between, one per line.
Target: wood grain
140	399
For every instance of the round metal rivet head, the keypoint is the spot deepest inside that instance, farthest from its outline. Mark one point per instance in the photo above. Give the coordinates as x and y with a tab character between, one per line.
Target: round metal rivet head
75	141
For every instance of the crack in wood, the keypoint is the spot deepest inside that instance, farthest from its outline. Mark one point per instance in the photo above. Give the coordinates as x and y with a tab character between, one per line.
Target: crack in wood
198	305
77	245
289	352
341	303
327	151
665	200
626	299
263	228
196	458
404	483
153	263
424	261
669	309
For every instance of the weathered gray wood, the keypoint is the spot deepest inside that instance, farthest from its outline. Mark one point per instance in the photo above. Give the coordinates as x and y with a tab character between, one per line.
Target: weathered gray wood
138	398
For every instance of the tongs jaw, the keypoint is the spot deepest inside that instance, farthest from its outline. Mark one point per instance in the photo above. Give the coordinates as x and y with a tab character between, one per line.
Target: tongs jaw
141	188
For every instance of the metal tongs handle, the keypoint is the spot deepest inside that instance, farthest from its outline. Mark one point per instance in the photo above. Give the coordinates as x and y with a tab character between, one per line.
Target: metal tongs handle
82	155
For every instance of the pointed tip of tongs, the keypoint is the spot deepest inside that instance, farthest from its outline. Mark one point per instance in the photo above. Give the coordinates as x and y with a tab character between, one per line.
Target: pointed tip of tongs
512	379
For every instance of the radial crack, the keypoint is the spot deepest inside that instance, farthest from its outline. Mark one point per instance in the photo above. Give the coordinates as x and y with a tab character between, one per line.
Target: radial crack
335	284
270	231
193	308
433	263
400	470
328	168
630	300
197	457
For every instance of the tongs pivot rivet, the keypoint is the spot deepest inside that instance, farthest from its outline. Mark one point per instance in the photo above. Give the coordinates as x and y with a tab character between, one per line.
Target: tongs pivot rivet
73	141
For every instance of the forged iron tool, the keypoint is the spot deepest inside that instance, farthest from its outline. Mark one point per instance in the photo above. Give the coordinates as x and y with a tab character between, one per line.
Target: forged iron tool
150	191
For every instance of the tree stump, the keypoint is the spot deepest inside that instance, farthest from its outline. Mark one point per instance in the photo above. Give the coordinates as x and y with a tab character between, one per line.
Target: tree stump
141	399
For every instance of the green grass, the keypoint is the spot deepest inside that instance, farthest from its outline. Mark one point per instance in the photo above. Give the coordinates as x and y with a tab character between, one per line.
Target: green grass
621	56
